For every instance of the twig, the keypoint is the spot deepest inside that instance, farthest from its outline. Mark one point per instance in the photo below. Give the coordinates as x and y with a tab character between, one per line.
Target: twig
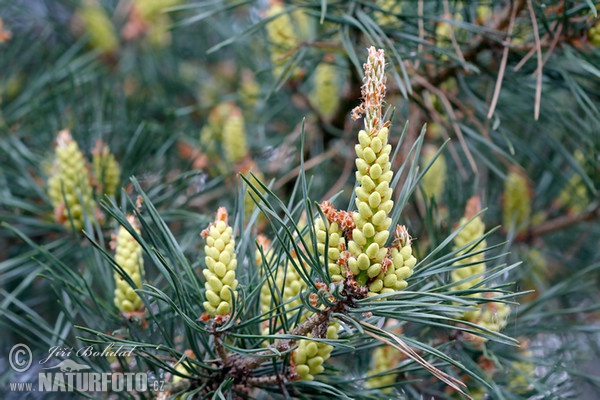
219	347
565	221
313	162
435	115
553	44
502	69
476	46
245	364
543	42
452	36
289	139
339	183
524	59
421	32
470	114
538	47
453	119
264	380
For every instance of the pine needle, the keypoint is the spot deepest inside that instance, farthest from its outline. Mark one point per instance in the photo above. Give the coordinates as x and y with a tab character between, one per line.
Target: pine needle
409	352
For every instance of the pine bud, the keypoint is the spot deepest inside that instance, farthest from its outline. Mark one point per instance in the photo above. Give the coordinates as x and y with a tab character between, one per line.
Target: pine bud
516	211
70	175
325	95
105	170
309	357
220	268
129	258
370	259
433	181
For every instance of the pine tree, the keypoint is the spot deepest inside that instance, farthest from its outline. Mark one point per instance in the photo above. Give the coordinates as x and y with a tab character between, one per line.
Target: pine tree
304	199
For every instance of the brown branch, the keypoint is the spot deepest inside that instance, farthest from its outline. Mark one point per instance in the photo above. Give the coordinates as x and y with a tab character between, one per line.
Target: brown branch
341	181
476	46
313	162
540	64
265	380
502	69
421	32
553	44
435	115
452	35
565	221
219	347
244	364
442	96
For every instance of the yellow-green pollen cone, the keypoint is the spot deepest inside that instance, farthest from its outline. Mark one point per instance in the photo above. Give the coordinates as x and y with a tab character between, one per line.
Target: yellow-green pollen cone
183	367
70	174
434	180
393	278
98	25
105	170
370	261
388	14
284	289
212	133
325	96
284	32
129	258
594	34
472	274
574	196
516	207
336	244
493	317
234	136
221	263
523	371
374	203
308	358
383	359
